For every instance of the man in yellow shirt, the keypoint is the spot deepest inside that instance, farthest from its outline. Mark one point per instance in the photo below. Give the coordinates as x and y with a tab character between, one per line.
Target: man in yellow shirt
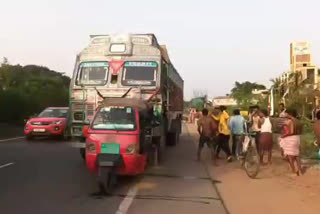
224	133
215	114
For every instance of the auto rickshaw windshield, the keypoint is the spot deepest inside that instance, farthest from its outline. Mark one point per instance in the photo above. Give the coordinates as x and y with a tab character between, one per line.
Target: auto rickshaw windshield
117	118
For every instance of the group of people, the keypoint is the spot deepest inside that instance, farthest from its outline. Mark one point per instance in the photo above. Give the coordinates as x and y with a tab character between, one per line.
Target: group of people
214	131
217	128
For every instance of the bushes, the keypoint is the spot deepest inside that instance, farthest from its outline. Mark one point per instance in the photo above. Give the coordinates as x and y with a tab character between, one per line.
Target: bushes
308	149
13	106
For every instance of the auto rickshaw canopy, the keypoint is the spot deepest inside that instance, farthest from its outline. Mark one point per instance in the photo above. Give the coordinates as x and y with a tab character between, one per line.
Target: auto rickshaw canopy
141	105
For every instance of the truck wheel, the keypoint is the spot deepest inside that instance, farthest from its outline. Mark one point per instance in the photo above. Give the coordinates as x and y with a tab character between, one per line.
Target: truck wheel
177	138
171	139
83	153
155	153
66	138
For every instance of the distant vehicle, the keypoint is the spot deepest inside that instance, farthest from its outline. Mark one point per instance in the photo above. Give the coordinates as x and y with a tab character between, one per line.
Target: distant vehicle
50	122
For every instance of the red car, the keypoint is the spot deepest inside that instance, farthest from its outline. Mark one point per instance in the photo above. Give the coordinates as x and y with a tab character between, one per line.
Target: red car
51	122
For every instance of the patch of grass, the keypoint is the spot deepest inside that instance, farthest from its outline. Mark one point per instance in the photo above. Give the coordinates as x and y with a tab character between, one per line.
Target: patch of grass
308	149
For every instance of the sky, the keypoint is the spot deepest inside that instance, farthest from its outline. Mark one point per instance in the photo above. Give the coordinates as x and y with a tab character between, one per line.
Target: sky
211	43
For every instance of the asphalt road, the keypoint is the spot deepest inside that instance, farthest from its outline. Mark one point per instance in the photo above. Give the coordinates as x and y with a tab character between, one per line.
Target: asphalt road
47	176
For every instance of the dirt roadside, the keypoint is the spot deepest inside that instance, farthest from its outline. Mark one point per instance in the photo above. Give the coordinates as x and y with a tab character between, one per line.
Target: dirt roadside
274	191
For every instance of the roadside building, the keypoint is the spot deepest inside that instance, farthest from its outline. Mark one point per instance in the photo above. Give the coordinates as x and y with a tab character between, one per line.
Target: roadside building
224	101
303	75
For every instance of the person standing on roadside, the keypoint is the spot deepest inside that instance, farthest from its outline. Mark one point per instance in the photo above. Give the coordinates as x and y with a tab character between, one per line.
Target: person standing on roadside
283	110
265	139
315	111
316	129
290	141
207	130
216	117
237	124
255	127
282	121
224	133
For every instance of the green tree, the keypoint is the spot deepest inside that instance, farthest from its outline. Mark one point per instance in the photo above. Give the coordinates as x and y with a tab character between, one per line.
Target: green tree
25	90
242	92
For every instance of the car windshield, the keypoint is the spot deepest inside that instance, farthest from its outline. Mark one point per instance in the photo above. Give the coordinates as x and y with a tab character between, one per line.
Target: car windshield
62	113
140	73
93	73
115	118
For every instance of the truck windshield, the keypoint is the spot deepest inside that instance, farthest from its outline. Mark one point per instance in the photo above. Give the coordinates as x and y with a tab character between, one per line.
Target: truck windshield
115	118
93	73
62	113
140	73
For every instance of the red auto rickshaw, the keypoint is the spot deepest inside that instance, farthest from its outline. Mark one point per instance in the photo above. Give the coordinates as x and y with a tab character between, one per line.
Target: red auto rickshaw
119	140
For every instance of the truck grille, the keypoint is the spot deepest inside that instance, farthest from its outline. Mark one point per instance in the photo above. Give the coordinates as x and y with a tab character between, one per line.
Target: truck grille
77	107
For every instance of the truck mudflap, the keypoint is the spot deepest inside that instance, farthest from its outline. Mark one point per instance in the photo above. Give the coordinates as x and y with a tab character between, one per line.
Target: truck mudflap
109	160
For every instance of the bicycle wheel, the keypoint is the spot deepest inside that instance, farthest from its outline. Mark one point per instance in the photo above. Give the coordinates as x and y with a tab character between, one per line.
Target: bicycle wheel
252	162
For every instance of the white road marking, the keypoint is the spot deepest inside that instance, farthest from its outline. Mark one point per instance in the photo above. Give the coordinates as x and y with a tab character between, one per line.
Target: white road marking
5	165
9	139
127	201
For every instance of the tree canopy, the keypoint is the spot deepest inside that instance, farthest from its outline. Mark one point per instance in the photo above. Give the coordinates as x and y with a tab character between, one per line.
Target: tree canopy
26	90
242	92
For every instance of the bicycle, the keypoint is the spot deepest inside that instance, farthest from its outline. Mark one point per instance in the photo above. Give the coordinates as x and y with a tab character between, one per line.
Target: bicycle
249	156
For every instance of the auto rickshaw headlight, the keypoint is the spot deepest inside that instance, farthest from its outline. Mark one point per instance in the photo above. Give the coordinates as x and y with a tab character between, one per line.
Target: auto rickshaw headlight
91	148
131	149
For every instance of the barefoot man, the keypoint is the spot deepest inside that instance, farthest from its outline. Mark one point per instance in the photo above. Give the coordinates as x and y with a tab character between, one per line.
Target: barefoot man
207	129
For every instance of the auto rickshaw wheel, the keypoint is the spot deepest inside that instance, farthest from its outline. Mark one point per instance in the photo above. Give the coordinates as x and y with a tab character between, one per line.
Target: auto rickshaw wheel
106	180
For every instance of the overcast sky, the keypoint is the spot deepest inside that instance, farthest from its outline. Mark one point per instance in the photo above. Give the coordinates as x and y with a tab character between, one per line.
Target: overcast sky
211	43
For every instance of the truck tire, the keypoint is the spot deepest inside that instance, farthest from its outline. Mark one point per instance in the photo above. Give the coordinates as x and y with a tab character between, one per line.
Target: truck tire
155	154
171	139
83	153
